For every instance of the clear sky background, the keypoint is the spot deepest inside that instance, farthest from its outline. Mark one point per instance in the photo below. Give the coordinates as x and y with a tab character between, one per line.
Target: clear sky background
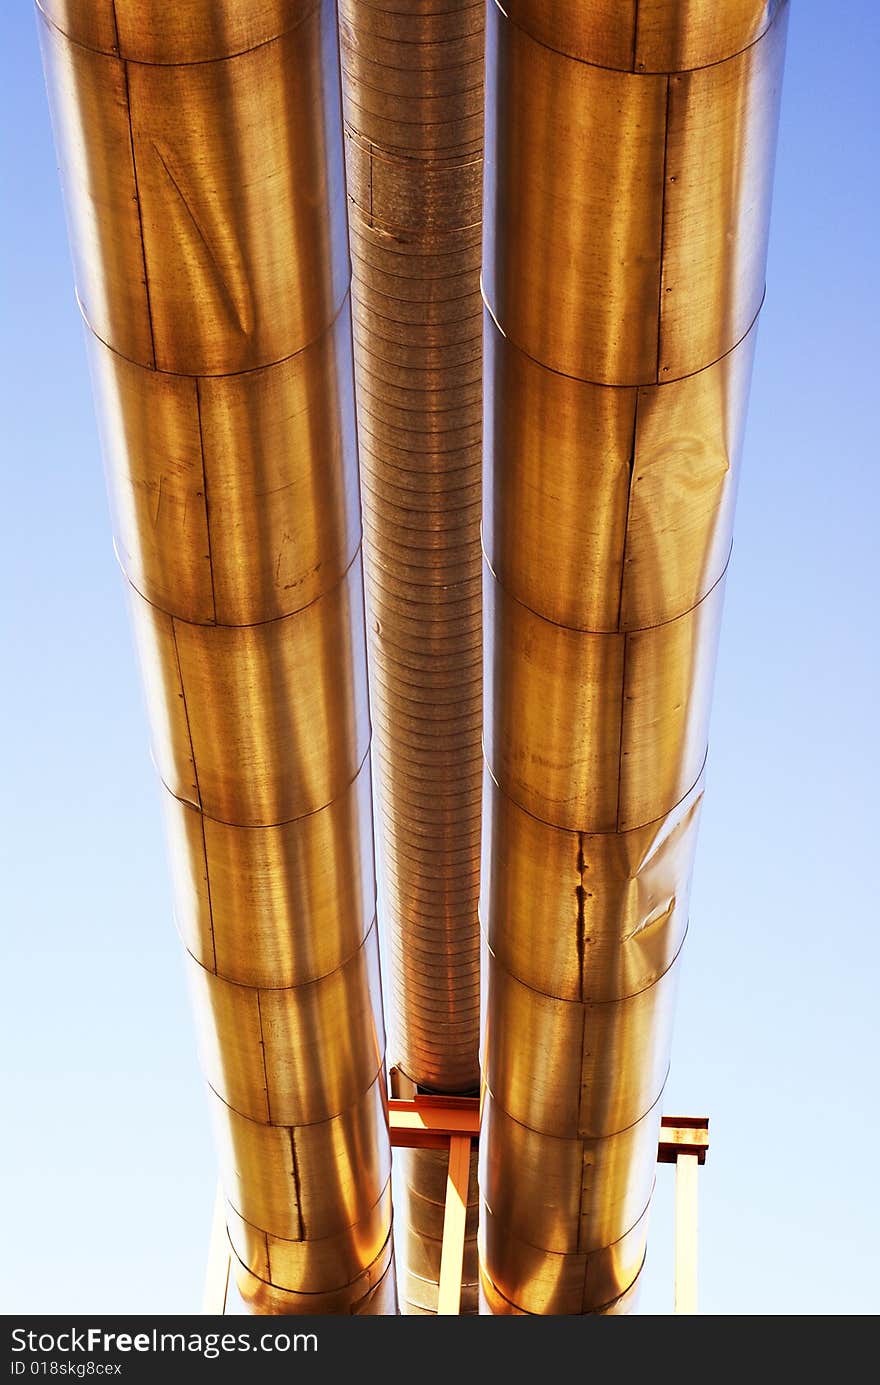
105	1155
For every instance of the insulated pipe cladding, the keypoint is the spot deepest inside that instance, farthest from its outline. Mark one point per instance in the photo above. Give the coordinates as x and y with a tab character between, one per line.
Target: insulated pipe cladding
629	157
201	152
412	83
413	108
629	160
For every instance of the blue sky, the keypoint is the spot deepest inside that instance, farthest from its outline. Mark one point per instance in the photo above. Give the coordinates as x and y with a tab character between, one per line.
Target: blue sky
107	1165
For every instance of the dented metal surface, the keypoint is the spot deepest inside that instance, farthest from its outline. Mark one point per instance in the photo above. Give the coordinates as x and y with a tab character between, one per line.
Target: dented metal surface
202	162
625	207
629	162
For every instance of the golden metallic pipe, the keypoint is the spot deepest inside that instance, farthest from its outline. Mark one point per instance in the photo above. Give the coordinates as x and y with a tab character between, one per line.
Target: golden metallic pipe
629	162
202	161
413	110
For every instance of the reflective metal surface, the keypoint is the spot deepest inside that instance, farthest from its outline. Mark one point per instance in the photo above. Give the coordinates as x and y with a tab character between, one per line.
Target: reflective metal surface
581	916
569	1069
645	35
493	1302
647	287
629	160
419	1200
222	265
261	907
275	452
202	163
258	724
597	732
633	490
582	1282
413	114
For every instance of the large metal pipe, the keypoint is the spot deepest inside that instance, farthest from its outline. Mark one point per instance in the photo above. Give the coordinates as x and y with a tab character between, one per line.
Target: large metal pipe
629	162
201	155
413	109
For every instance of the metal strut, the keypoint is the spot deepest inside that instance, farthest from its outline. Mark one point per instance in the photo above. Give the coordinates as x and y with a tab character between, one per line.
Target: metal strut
437	1122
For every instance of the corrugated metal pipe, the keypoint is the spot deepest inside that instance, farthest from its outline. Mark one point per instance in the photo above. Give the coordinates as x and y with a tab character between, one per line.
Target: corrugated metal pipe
201	153
629	161
413	110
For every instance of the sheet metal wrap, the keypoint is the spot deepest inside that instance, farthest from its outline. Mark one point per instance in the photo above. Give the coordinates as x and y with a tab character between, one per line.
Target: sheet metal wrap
629	162
202	162
413	113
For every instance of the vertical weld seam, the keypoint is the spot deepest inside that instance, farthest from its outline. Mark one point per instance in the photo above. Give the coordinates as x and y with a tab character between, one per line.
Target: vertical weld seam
208	892
192	749
632	466
137	198
581	893
631	461
660	275
622	731
297	1184
580	1237
115	25
635	48
210	553
263	1057
580	1098
192	756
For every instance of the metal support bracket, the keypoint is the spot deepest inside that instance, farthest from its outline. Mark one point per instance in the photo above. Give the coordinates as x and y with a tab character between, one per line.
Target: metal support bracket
442	1122
684	1142
449	1122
